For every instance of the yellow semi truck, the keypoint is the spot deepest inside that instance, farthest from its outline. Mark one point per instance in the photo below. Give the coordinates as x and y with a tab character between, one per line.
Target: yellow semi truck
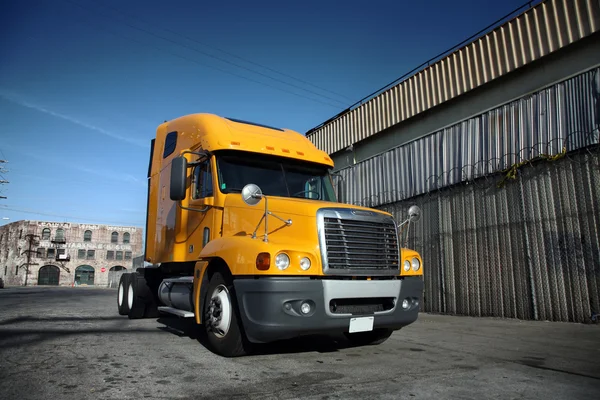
245	235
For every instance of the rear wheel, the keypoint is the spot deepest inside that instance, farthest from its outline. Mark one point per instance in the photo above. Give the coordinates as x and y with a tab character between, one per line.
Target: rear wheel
142	295
122	294
374	337
220	318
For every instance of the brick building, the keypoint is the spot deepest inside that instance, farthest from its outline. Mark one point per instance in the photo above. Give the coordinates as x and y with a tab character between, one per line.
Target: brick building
65	254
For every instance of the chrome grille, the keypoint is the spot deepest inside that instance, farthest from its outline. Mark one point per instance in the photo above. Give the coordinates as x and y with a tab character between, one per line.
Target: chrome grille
358	242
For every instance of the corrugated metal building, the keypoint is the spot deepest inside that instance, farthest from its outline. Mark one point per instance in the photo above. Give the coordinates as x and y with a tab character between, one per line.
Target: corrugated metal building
497	141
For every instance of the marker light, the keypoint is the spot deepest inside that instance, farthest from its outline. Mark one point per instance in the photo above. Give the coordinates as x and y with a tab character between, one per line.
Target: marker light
263	261
282	261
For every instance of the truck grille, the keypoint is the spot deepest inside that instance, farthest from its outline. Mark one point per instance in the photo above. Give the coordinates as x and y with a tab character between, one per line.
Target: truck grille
359	243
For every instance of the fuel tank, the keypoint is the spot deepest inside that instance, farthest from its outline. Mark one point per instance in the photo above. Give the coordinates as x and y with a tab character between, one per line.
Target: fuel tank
177	293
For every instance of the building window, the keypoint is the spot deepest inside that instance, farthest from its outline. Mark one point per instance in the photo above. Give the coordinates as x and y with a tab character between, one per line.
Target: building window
17	270
119	255
81	253
20	233
5	269
87	236
128	255
110	255
84	275
114	237
91	254
51	253
46	234
60	234
126	237
41	252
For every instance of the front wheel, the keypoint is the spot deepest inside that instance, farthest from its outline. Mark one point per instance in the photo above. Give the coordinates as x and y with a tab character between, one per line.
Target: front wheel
221	322
373	337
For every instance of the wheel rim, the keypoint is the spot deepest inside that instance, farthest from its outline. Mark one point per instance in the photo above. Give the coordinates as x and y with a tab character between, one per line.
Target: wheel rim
120	295
219	311
130	296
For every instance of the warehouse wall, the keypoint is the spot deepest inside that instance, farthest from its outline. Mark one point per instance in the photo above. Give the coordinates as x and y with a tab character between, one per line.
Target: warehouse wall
564	115
511	205
529	249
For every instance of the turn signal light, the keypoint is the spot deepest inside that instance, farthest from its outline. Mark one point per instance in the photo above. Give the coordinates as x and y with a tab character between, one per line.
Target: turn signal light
263	261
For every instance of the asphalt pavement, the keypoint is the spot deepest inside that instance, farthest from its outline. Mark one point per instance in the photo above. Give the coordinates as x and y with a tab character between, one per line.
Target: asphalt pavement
70	343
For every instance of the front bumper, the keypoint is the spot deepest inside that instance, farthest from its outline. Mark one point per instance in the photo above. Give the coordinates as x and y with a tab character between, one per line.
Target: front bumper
270	307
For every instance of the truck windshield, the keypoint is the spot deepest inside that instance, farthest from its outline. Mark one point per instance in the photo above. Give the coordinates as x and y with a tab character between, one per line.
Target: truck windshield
276	176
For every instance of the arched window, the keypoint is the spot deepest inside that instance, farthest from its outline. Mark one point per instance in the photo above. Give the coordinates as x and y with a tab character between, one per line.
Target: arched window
84	275
60	234
87	236
46	234
114	237
126	237
48	275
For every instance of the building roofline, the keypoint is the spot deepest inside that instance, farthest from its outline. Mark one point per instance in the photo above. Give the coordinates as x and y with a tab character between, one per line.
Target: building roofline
445	54
533	34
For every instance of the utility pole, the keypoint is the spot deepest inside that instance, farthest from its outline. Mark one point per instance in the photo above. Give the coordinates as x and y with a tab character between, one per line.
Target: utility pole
31	238
3	180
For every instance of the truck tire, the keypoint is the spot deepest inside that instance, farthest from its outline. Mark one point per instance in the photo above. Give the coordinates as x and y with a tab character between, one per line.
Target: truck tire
220	318
141	294
374	337
122	294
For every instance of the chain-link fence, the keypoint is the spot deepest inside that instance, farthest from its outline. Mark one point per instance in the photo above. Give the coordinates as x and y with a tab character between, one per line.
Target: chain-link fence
523	243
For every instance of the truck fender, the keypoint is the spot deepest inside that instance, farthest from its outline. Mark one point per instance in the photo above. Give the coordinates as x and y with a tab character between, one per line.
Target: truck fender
237	252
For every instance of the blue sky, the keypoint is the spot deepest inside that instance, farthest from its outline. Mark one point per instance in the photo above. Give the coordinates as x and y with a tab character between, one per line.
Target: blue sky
83	84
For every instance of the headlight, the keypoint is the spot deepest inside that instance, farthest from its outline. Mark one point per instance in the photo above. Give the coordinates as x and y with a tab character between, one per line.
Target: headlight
282	261
416	264
305	263
406	265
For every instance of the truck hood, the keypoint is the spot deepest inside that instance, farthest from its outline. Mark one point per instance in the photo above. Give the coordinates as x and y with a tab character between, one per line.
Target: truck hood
240	219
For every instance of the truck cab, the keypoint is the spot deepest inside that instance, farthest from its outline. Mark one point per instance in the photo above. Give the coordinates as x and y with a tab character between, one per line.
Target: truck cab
245	235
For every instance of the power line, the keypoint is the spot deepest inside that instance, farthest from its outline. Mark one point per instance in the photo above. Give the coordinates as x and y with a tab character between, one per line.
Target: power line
234	56
200	63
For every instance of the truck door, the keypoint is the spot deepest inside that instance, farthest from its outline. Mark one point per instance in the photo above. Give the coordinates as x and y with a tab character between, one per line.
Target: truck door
201	224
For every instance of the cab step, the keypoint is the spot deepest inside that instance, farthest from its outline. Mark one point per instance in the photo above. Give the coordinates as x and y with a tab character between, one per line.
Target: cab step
175	311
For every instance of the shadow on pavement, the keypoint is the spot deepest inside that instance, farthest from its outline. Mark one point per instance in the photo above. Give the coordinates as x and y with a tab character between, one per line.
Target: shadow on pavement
16	332
186	327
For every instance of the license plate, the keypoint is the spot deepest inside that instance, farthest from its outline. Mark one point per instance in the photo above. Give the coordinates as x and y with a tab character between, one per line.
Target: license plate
362	324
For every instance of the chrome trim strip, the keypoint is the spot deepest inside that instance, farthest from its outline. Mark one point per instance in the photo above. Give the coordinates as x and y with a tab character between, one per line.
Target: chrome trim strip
335	289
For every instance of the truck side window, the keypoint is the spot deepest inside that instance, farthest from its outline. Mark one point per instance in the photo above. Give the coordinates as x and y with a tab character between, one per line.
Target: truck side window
203	186
170	144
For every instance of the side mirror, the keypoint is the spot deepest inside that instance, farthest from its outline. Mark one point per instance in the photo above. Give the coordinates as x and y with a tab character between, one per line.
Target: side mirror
341	188
251	194
414	213
178	178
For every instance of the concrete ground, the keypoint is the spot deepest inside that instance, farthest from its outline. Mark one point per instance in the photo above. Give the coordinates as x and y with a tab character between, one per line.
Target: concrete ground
70	343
